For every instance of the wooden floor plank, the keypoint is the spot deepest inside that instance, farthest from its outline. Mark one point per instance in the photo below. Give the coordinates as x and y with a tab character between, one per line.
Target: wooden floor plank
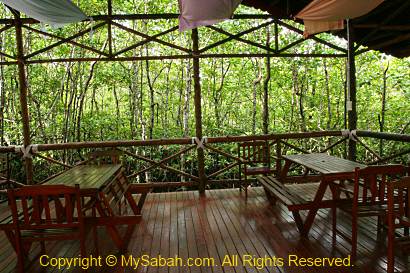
155	249
241	238
223	223
173	230
182	231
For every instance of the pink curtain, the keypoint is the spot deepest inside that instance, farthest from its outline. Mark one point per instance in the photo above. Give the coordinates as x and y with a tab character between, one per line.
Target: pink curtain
323	15
195	13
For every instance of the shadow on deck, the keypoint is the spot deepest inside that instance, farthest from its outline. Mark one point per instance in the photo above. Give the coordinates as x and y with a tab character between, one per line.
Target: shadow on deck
222	224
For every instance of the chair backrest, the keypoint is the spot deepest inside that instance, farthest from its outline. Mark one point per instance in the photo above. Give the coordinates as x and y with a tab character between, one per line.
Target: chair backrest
45	207
373	181
254	152
398	193
105	157
4	166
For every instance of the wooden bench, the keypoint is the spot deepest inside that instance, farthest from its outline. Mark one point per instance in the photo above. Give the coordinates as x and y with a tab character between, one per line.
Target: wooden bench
6	224
277	191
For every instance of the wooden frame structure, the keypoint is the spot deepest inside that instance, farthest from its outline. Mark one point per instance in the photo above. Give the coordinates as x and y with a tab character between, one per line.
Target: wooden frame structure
109	21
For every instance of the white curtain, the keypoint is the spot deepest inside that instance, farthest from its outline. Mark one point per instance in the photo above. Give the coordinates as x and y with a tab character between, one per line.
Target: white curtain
53	12
195	13
323	15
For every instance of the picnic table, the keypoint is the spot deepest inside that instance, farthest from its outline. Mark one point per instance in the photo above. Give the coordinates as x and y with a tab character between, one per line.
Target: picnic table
327	169
104	188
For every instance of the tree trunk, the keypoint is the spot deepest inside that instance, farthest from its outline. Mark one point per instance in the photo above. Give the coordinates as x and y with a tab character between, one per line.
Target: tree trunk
382	116
186	110
327	88
265	115
255	83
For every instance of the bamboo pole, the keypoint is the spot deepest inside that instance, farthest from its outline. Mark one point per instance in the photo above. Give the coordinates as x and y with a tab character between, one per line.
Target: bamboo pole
351	89
23	96
198	111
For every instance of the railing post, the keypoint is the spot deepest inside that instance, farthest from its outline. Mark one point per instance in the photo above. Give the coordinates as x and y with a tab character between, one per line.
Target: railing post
23	96
351	89
198	110
278	157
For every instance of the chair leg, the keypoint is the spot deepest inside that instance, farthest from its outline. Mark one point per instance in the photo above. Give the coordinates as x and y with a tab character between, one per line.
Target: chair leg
354	237
390	252
240	178
20	264
43	247
82	251
246	187
95	234
20	256
334	228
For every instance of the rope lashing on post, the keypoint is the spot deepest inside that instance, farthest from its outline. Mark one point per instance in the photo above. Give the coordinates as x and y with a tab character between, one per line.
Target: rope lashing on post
200	142
351	134
27	151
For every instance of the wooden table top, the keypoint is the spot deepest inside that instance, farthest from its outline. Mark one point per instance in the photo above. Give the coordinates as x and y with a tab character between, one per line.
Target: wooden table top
324	163
87	176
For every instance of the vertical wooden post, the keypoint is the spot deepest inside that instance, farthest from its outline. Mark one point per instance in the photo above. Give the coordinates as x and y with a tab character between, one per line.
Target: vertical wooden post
351	89
265	110
278	157
109	2
198	110
23	96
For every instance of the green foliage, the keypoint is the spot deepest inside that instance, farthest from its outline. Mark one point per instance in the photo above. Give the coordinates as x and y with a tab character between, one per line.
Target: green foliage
140	100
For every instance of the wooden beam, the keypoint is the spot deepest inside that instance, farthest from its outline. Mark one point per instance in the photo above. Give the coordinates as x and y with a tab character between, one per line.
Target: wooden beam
23	97
321	41
141	43
385	20
385	136
133	31
159	16
68	40
351	89
283	49
396	40
176	56
237	37
8	56
198	110
382	27
177	141
109	3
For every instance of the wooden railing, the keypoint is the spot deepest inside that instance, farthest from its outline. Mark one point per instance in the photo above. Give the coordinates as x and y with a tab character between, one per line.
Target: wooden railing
168	160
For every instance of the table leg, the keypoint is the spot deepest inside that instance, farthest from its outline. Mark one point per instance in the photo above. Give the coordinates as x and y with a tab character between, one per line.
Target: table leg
120	242
335	196
313	211
298	221
285	170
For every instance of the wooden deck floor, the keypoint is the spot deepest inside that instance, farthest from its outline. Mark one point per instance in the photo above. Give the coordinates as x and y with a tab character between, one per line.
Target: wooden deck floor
221	224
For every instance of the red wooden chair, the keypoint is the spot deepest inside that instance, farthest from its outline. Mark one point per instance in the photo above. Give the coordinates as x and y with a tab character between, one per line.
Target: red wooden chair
256	157
398	216
45	213
369	198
